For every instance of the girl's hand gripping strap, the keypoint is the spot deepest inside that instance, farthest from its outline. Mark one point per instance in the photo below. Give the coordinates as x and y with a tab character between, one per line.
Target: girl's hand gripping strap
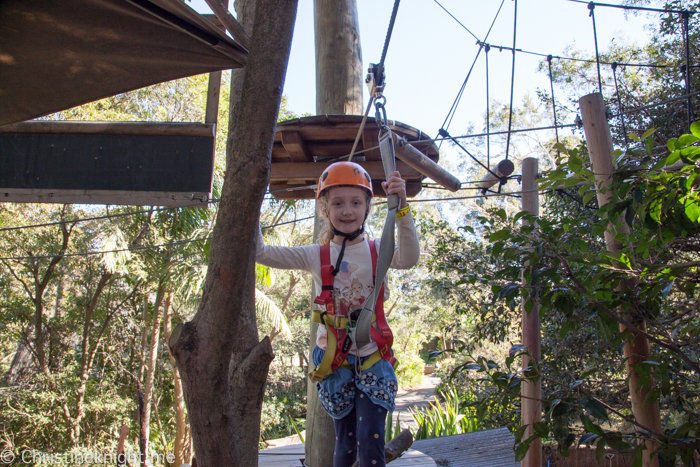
364	322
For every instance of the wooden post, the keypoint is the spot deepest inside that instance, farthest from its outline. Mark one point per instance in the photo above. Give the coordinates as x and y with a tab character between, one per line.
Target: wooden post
338	91
319	443
339	71
600	148
531	405
213	92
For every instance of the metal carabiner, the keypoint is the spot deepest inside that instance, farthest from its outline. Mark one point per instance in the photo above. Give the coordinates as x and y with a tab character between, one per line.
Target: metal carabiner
380	113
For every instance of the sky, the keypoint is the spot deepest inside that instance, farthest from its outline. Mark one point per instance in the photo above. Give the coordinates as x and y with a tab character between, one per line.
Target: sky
430	53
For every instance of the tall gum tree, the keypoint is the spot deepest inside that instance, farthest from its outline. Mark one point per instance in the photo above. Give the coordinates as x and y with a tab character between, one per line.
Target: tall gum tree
223	365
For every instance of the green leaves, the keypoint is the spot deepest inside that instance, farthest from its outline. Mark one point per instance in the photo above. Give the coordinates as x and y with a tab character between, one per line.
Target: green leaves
595	408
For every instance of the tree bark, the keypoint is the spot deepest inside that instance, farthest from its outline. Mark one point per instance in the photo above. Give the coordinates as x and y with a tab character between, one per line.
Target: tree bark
144	338
39	289
339	72
181	451
151	362
338	91
85	362
22	361
600	148
222	364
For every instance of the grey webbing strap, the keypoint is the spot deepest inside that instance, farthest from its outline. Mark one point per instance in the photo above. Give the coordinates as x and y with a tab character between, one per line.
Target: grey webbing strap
386	252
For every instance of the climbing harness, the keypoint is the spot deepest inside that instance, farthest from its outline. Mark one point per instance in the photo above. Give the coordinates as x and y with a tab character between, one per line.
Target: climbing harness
357	327
340	327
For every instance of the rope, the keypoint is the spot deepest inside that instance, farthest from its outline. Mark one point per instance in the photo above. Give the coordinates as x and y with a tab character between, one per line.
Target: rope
204	239
488	110
362	125
650	106
619	105
558	57
387	39
512	77
458	21
85	219
445	133
554	105
629	7
450	113
496	133
137	248
591	7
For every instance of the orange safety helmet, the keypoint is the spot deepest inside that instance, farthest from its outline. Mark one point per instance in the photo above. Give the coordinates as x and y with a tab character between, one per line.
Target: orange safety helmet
344	174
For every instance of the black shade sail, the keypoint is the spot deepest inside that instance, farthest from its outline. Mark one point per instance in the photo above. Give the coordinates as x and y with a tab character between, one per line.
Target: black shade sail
57	54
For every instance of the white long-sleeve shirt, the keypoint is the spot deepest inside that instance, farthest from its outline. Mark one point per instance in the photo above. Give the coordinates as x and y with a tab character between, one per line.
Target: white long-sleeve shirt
354	283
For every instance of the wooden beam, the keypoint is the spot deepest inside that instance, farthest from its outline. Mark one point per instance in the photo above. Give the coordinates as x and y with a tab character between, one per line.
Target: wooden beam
133	198
295	146
279	191
424	165
213	91
370	139
229	22
312	170
112	128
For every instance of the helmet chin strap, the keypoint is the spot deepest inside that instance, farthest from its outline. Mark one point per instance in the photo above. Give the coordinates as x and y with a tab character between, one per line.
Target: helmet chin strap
346	237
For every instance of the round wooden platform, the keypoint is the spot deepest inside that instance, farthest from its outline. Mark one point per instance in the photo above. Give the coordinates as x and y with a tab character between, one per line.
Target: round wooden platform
293	455
305	146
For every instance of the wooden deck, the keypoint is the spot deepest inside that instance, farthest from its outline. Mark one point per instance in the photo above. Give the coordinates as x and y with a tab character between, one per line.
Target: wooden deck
488	448
292	455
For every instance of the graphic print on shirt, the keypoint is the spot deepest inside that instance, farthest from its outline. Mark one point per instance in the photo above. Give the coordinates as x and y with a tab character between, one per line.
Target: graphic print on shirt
349	292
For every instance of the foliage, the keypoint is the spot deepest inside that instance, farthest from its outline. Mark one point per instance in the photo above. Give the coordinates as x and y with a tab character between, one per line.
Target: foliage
446	418
587	318
392	429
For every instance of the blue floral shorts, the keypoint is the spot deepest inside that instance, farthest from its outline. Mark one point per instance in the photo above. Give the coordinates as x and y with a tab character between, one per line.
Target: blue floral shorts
337	391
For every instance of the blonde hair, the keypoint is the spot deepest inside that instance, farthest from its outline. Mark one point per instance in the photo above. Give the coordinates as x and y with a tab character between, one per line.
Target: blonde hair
326	233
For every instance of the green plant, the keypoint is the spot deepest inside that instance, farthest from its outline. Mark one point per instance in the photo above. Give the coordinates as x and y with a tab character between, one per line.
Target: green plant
450	418
293	422
410	369
392	429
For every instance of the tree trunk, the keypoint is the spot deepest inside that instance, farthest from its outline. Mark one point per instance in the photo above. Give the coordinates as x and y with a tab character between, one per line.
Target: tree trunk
151	362
144	338
338	91
143	437
222	364
22	361
54	340
181	445
85	363
339	71
599	141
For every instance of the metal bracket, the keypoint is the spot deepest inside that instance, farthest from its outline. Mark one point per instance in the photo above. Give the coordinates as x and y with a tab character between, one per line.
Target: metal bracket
375	79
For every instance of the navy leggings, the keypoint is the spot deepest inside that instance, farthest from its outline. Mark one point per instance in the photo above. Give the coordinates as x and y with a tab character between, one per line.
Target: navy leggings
362	428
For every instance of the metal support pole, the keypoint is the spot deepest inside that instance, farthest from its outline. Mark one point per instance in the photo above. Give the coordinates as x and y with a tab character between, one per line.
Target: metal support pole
600	148
531	405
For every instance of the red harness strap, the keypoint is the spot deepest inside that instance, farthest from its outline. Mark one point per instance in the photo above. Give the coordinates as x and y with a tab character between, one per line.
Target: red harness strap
382	336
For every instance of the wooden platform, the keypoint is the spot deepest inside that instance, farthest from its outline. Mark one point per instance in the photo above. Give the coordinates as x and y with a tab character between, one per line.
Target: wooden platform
487	448
292	455
305	146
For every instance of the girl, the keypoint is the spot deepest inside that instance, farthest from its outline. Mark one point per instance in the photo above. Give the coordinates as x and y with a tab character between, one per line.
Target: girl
358	393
